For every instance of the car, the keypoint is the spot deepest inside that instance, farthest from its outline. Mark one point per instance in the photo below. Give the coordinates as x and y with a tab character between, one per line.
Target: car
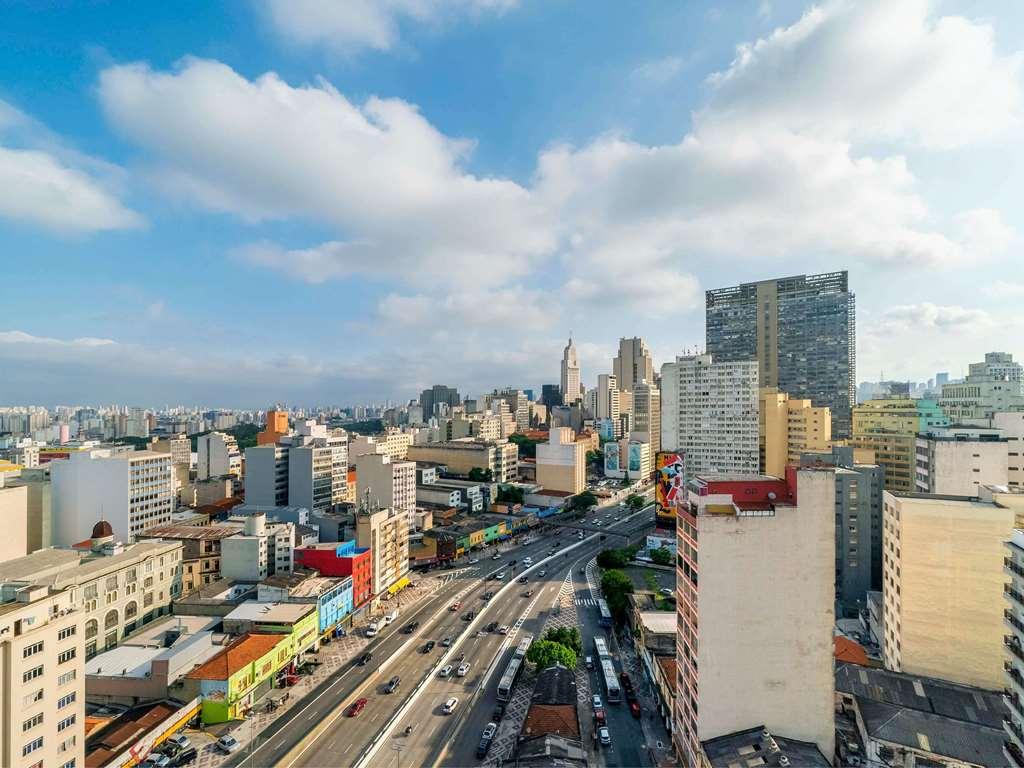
496	557
487	595
589	662
528	593
492	626
356	708
469	615
410	627
391	617
463	669
228	744
363	660
634	709
455	606
445	671
450	705
486	737
446	643
499	712
667	592
500	576
156	760
186	756
523	579
542	573
393	684
604	735
503	629
580	536
428	646
597	701
179	740
474	560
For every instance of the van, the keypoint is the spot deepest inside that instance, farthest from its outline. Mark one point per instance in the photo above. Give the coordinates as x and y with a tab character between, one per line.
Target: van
372	629
391	617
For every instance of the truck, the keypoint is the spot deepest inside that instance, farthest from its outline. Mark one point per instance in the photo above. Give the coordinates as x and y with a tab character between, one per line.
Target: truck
374	627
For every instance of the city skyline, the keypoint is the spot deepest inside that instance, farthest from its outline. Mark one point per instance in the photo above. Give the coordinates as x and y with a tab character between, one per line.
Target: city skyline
190	249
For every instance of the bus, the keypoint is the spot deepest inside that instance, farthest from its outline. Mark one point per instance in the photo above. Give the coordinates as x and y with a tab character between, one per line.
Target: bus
612	691
601	648
515	666
604	615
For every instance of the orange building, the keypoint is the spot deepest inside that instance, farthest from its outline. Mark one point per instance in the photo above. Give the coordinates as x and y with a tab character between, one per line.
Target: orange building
275	429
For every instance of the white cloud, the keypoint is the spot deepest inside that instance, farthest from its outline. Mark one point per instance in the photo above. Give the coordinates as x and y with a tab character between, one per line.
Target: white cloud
506	309
50	186
1006	289
377	172
660	71
352	25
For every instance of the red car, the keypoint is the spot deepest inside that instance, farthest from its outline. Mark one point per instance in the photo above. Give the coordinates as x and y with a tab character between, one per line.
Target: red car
455	606
634	709
357	707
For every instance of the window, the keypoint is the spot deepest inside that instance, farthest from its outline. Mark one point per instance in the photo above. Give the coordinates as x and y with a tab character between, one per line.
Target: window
65	656
32	674
32	746
67	677
32	722
91	592
32	698
111	583
67	632
69	764
63	701
67	744
64	724
32	650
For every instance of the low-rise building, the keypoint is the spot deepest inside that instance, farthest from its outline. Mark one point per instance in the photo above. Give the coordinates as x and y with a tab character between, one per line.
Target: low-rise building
201	547
461	456
332	596
740	748
550	734
341	559
297	620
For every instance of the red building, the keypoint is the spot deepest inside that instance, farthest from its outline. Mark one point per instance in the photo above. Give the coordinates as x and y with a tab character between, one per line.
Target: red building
344	558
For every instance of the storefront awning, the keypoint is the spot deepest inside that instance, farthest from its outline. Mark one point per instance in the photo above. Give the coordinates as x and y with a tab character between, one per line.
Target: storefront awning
402	582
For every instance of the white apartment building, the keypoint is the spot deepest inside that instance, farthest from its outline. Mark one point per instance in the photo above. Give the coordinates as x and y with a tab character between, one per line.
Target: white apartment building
992	385
1013	618
390	482
217	455
132	490
42	679
317	467
14	514
709	412
957	461
562	462
386	533
266	475
1011	426
606	398
754	643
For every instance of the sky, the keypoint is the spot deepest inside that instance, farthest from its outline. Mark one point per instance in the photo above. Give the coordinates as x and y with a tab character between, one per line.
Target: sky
308	202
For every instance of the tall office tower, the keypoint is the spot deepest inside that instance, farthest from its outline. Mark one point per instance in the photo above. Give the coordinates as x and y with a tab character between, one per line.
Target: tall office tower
551	395
789	428
317	468
888	426
570	374
941	378
518	405
709	413
217	455
859	487
754	634
801	332
438	395
606	401
390	482
633	364
42	678
132	491
942	584
991	386
647	413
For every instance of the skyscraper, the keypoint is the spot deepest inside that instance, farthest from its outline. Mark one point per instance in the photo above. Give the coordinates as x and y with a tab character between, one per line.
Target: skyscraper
647	413
436	395
801	332
633	364
570	374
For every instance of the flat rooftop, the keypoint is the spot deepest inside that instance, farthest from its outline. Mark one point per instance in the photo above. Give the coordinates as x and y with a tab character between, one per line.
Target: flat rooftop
193	532
276	613
63	567
749	749
659	622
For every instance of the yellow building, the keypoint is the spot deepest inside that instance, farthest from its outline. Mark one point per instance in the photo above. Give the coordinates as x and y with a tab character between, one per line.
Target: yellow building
790	427
942	584
889	426
562	462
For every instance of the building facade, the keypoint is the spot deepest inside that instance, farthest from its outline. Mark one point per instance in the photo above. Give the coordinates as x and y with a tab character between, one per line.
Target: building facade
993	385
571	381
439	400
390	482
957	461
801	330
562	462
647	413
217	455
462	456
633	364
789	428
385	532
888	426
1013	618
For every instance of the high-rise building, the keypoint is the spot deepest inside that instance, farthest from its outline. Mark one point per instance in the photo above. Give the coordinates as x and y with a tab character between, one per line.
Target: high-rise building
390	483
562	462
633	364
275	429
393	443
942	585
14	514
39	489
570	374
1013	686
217	455
1011	426
385	532
958	460
439	397
132	490
630	458
888	426
180	449
766	552
709	414
647	414
801	332
551	395
317	468
992	385
266	475
788	428
606	400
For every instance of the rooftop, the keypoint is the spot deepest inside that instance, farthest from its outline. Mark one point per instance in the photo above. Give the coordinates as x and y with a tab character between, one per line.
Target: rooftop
273	613
105	743
754	747
203	532
555	685
659	622
243	651
60	568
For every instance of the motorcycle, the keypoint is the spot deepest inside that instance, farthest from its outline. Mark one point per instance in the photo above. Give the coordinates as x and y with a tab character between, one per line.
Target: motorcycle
409	729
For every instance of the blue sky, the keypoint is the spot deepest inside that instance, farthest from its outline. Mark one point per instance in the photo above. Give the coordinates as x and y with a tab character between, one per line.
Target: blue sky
316	202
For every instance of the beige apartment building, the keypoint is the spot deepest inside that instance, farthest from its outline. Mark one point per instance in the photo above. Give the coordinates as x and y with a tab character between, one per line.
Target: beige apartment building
959	460
461	456
647	414
14	516
942	584
390	482
393	443
39	507
42	679
562	462
754	643
790	427
116	588
386	533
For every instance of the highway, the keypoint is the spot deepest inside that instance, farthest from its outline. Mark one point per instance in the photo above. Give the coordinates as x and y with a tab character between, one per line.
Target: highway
320	731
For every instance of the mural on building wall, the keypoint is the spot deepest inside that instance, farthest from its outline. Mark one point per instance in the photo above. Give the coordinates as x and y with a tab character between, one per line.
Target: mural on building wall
611	457
670	488
634	457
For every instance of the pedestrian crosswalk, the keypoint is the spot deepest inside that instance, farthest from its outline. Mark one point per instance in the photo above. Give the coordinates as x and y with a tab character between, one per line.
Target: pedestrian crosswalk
585	601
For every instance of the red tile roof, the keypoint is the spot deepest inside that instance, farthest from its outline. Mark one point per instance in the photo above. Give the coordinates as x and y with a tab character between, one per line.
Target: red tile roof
243	651
850	651
542	719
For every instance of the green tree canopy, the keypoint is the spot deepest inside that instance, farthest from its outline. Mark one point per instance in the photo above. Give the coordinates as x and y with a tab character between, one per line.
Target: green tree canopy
613	558
661	556
567	636
635	502
527	445
480	475
582	501
545	653
616	586
510	494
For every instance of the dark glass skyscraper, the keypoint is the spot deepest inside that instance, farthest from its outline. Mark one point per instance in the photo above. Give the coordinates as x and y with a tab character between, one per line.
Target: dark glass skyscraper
801	330
437	394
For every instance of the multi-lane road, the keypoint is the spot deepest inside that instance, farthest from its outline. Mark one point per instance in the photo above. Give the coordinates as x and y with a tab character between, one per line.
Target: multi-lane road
320	731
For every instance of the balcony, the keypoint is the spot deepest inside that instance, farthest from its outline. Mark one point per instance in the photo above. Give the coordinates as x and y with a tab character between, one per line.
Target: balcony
1013	729
1012	567
1013	644
1015	676
1014	702
1014	595
1011	750
1013	621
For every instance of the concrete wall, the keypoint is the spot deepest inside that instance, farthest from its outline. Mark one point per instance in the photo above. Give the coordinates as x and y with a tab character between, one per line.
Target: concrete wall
86	490
14	519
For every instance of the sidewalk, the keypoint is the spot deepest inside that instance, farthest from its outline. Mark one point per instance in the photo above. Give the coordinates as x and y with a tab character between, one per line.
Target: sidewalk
657	740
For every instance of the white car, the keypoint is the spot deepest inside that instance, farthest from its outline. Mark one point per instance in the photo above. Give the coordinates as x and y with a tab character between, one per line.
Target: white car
500	576
450	705
474	560
667	592
503	630
156	760
180	740
496	557
527	561
463	669
597	701
228	744
542	573
580	536
605	735
445	671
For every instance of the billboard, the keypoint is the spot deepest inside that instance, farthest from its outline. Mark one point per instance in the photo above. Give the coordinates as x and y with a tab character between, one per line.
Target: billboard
635	458
670	486
611	457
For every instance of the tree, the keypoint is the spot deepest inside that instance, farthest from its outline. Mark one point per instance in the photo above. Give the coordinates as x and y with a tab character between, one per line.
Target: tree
635	502
480	475
595	457
567	636
582	501
612	558
545	653
616	586
527	445
661	556
510	494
